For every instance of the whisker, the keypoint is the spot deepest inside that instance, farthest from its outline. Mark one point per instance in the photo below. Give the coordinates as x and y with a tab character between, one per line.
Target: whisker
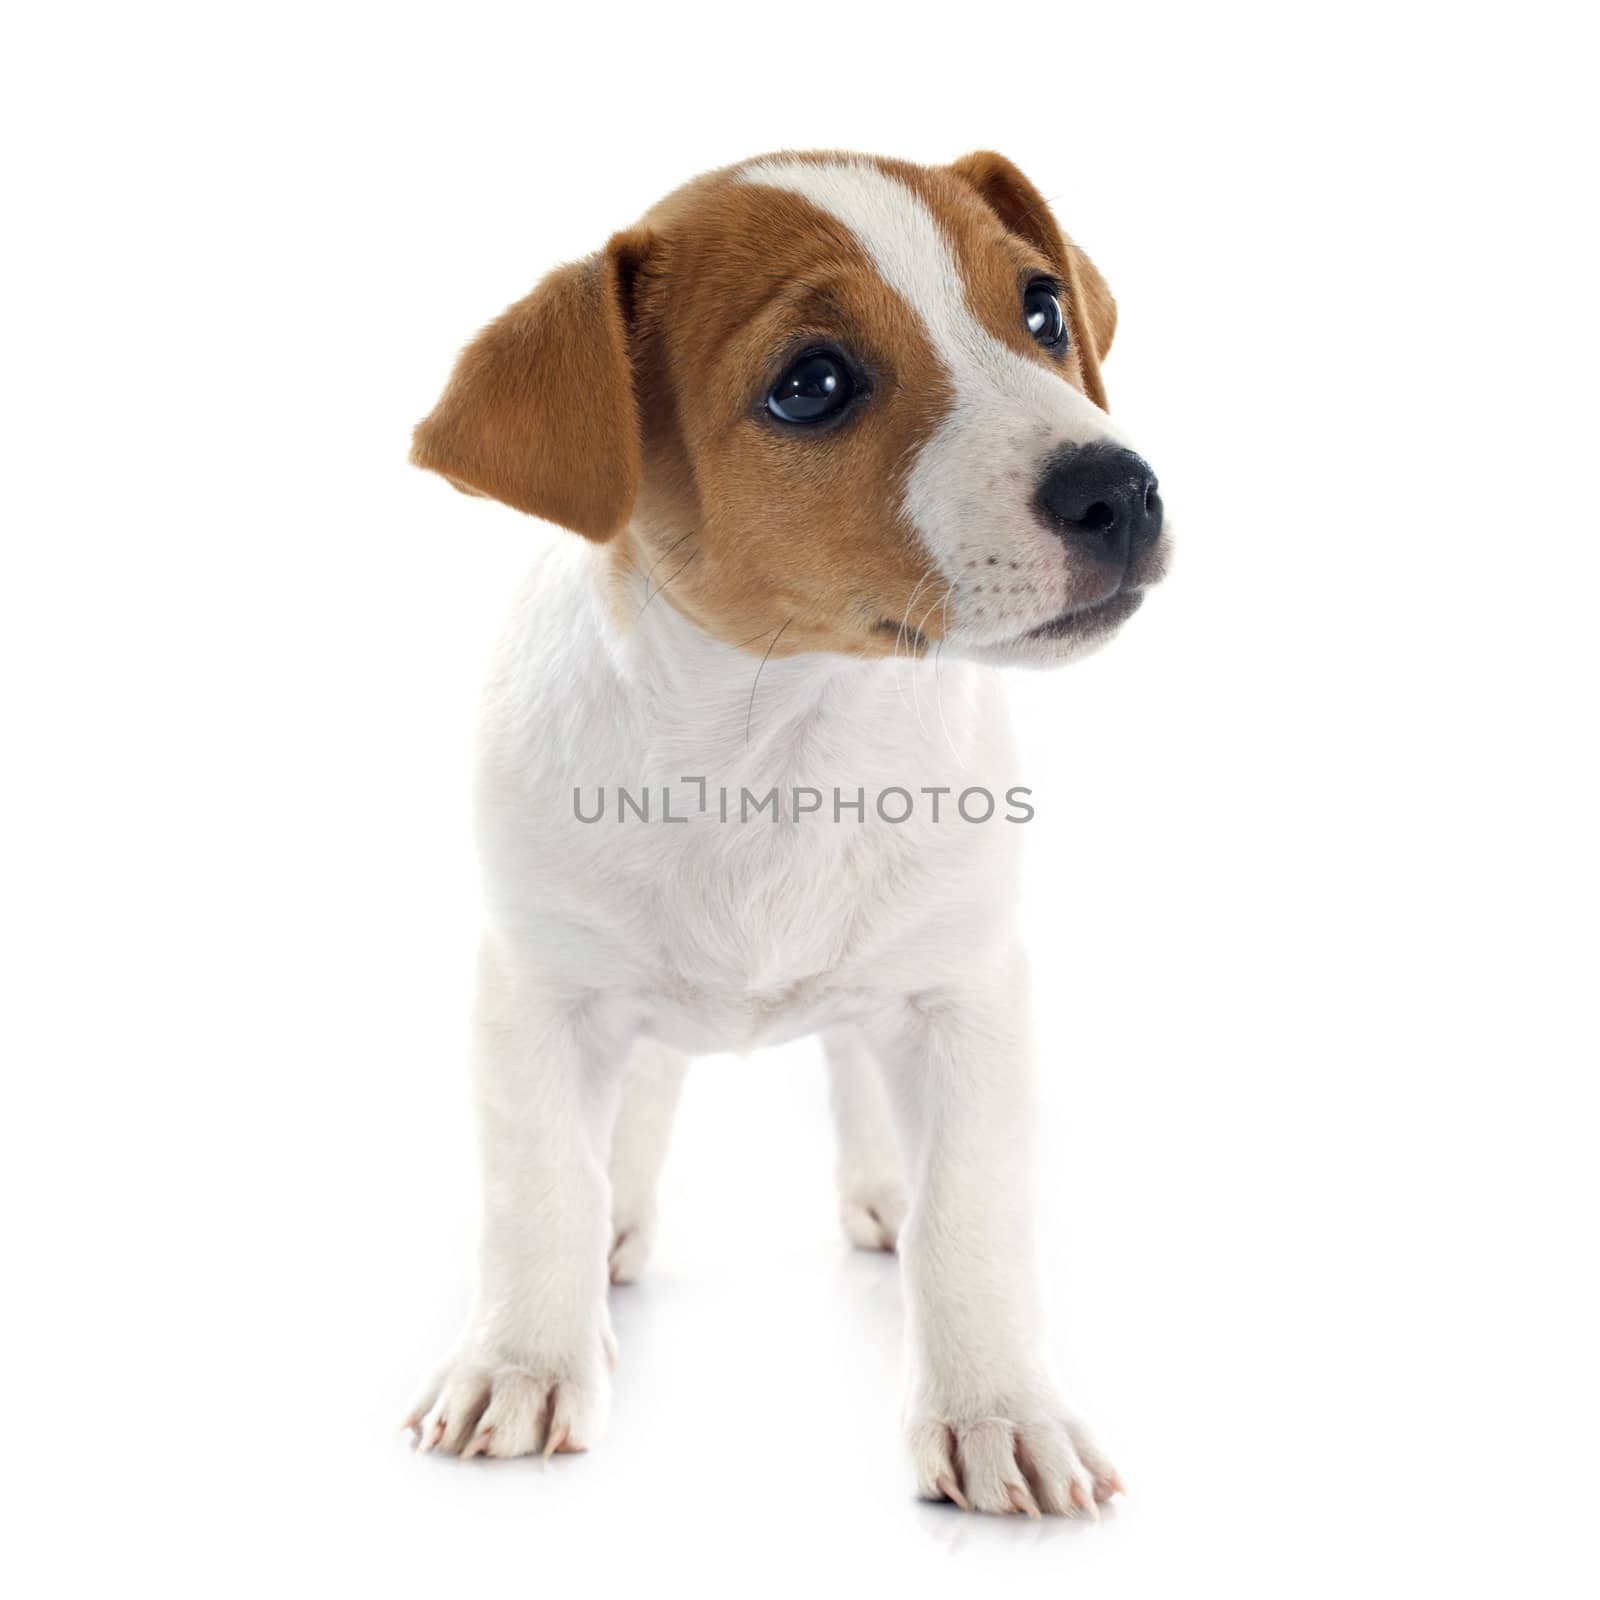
938	687
906	618
916	681
762	635
750	712
900	636
929	612
676	572
657	562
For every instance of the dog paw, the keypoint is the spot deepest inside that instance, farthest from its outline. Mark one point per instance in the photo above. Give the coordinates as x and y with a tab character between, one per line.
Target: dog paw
1038	1465
873	1210
483	1402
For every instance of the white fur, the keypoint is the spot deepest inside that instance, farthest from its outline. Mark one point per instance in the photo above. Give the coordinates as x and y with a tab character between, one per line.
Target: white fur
608	943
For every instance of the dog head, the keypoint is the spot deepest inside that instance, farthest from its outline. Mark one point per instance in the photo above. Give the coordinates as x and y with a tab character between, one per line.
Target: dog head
827	402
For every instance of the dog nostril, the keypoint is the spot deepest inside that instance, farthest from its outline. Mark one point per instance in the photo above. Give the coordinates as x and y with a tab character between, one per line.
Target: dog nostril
1104	499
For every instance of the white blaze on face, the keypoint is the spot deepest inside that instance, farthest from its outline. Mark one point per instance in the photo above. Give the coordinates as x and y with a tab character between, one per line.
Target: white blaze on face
970	489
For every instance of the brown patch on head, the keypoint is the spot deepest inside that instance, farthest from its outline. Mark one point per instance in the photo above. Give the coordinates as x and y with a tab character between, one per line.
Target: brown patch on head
771	535
1025	214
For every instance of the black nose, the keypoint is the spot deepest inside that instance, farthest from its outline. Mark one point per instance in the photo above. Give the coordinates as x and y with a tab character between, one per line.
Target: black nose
1102	500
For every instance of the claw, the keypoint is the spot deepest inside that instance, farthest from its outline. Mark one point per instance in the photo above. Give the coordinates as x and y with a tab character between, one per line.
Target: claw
1083	1499
558	1438
948	1487
1022	1500
480	1442
438	1433
616	1244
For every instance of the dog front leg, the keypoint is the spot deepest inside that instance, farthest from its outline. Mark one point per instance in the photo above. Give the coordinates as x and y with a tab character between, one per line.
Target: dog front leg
530	1371
639	1140
872	1194
985	1421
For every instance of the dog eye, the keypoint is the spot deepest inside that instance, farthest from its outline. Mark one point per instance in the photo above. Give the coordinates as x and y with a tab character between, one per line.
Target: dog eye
1041	310
818	385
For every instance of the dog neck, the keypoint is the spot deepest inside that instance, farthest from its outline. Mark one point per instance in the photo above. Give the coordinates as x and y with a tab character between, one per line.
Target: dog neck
750	715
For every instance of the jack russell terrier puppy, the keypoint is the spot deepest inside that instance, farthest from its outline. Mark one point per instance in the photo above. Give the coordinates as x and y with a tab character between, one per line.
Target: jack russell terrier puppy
833	434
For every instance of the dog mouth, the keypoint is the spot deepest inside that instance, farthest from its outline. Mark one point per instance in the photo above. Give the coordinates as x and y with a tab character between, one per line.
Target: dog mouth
1076	625
1085	622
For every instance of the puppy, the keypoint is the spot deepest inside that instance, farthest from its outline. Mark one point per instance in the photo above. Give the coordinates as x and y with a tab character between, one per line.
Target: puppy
832	433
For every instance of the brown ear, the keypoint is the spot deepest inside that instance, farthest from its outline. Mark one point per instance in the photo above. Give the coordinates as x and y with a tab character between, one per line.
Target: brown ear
1090	309
540	410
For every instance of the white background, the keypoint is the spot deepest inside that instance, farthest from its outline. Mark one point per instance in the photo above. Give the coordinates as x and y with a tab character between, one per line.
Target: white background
1312	883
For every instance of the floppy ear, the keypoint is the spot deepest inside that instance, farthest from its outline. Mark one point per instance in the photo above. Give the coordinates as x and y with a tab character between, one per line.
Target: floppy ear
1090	309
540	410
